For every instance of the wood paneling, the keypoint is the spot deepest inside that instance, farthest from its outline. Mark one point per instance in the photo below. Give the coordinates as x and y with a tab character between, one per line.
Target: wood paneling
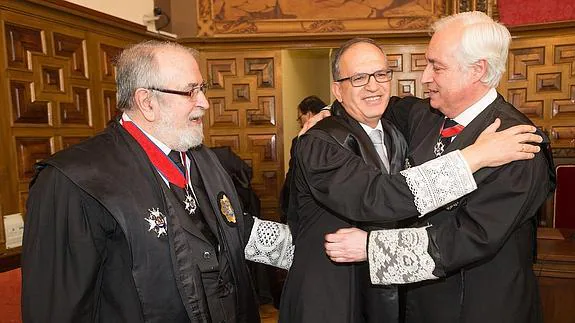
55	93
540	82
555	270
245	105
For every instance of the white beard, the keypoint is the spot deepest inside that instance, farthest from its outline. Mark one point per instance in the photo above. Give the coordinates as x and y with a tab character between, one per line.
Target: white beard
179	139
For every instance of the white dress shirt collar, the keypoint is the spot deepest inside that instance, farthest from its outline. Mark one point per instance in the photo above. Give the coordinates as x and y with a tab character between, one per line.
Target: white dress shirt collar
165	149
369	129
465	117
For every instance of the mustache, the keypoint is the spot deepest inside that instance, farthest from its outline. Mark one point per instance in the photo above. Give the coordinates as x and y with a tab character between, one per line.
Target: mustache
196	115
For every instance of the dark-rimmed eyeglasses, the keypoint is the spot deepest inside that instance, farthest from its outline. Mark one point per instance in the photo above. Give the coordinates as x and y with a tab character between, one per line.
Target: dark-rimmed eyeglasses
192	93
361	79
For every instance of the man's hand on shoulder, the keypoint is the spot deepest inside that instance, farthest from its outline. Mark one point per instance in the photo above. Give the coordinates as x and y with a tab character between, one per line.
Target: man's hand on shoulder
495	148
313	120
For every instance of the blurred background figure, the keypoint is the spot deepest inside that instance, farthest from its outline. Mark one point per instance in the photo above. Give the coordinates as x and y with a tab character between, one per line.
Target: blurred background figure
308	107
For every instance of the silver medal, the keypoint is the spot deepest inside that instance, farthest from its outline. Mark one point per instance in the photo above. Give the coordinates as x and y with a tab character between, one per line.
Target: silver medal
157	222
438	148
190	202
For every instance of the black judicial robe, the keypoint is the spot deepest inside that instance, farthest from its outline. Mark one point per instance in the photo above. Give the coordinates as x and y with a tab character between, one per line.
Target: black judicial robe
89	254
339	182
483	247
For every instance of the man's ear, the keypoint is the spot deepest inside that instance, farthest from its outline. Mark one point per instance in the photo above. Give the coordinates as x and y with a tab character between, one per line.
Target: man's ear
145	104
337	91
479	70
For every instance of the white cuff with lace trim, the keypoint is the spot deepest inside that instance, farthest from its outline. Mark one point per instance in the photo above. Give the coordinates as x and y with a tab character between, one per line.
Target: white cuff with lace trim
399	256
270	243
439	181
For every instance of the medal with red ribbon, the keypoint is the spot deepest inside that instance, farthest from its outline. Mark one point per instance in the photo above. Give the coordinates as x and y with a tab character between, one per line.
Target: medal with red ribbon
165	165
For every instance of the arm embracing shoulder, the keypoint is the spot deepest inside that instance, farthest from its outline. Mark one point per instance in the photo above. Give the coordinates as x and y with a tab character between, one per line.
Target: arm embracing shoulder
343	182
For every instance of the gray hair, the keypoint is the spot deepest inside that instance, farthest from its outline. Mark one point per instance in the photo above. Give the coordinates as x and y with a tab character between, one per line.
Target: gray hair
482	38
137	67
339	52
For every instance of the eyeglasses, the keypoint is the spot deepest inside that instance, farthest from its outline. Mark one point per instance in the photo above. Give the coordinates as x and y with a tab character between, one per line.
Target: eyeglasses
361	79
192	93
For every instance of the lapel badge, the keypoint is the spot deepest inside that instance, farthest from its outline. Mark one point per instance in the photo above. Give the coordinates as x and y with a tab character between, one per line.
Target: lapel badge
157	222
226	208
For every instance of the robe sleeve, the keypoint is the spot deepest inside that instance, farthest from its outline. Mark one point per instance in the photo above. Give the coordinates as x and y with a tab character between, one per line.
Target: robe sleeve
270	243
62	252
342	182
475	232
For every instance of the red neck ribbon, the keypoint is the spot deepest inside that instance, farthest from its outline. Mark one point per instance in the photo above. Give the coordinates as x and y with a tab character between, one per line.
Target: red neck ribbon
160	160
451	131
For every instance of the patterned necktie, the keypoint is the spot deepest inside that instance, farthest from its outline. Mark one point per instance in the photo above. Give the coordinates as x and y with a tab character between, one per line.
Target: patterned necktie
449	130
175	157
376	138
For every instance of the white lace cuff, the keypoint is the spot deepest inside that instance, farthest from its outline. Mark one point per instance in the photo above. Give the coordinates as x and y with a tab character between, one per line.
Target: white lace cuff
439	181
270	243
399	256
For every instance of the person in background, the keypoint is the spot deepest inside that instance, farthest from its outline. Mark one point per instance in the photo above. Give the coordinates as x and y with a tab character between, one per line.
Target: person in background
470	261
307	108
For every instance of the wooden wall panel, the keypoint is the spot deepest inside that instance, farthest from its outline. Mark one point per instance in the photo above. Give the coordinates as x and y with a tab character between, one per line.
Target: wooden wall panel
540	82
245	109
57	82
407	64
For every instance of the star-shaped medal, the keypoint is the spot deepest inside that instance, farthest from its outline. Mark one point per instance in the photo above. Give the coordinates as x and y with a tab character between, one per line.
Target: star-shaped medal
157	222
438	148
190	203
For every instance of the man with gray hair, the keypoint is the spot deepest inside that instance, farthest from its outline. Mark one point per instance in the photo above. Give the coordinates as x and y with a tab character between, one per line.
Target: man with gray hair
139	223
472	260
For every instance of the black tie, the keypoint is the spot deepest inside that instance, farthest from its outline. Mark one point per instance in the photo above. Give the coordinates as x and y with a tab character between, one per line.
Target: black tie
198	216
175	157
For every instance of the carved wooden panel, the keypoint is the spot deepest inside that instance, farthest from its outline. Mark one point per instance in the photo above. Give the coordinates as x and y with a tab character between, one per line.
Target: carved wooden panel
520	59
58	88
263	68
407	64
77	111
29	151
532	109
75	50
49	83
563	136
110	104
222	115
217	69
24	108
245	105
21	41
107	56
540	82
565	108
232	141
265	112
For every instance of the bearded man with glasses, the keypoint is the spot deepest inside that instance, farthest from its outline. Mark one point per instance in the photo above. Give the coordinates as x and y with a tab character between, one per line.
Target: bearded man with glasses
141	223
